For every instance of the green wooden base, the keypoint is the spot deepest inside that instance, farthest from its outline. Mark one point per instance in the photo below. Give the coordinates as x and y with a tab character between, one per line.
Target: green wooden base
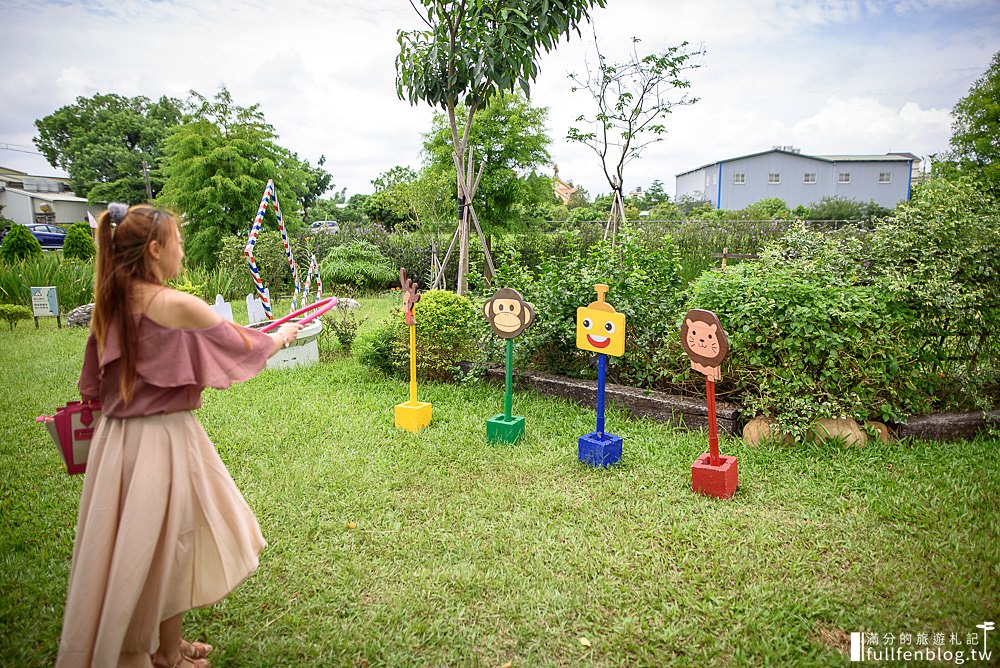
501	430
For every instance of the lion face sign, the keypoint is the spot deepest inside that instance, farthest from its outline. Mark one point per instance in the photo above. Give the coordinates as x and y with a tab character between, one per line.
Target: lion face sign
704	341
508	313
703	338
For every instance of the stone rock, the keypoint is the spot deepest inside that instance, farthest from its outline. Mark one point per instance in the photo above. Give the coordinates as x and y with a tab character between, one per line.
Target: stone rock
348	304
882	432
761	429
844	429
80	316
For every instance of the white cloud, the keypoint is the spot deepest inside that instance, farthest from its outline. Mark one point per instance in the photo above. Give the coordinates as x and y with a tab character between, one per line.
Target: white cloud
830	76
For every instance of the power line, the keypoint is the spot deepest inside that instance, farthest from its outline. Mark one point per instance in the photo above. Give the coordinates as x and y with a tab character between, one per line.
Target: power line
10	147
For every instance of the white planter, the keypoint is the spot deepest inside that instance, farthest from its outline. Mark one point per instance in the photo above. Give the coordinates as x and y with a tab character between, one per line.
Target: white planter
303	351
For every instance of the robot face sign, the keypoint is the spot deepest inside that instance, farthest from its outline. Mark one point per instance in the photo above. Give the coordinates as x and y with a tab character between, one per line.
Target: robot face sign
600	331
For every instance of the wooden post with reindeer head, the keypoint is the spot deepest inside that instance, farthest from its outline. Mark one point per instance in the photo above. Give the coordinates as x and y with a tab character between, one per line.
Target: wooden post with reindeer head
412	415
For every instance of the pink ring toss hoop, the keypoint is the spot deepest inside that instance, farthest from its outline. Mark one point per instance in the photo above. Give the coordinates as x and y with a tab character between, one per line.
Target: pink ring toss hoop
323	305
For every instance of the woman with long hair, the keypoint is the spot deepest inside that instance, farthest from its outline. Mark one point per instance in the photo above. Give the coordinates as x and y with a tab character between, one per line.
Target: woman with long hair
162	528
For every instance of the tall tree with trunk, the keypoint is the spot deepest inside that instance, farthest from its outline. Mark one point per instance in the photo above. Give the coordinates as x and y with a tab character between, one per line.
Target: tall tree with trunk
510	137
632	97
216	166
470	51
975	139
110	144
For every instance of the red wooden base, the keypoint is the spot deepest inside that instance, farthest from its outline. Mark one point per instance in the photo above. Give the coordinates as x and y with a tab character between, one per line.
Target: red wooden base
719	481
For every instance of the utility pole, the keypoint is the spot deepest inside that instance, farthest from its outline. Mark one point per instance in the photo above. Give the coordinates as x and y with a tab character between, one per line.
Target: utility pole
149	186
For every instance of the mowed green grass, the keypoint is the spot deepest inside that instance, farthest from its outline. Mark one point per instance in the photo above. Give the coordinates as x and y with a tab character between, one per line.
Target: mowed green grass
438	549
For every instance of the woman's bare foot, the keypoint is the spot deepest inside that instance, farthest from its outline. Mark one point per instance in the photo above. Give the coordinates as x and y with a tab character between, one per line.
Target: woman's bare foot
195	650
178	661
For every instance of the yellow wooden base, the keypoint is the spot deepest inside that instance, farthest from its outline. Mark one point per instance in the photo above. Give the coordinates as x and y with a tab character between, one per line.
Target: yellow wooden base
413	415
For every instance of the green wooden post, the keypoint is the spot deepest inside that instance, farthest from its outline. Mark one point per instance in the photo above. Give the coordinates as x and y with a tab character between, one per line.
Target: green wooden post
508	400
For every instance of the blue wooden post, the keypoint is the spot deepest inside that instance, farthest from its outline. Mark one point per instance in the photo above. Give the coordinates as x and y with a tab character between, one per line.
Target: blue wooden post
602	369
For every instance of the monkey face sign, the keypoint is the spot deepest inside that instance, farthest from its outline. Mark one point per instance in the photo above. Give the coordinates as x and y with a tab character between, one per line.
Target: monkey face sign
508	313
704	341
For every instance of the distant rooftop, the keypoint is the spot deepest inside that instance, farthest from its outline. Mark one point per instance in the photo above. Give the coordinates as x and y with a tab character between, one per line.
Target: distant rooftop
791	150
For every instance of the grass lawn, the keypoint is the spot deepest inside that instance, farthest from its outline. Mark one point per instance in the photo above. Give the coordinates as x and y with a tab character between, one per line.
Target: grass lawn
437	549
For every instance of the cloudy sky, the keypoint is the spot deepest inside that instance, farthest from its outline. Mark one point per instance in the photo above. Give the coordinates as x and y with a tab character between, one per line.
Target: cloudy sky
826	76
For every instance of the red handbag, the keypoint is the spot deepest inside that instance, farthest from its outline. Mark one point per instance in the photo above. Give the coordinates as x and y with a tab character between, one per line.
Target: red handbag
71	428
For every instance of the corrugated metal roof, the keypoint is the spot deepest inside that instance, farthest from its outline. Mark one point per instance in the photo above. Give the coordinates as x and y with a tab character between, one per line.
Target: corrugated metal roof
48	197
888	157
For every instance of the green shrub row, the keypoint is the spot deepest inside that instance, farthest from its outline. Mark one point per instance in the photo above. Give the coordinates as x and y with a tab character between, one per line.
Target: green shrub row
73	279
875	322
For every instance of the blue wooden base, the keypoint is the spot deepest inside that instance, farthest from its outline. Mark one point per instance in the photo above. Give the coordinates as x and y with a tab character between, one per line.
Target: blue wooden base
600	451
501	430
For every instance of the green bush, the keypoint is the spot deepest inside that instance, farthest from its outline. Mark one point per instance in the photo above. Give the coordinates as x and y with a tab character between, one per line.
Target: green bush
341	324
446	330
359	264
184	284
939	255
643	274
13	313
79	244
19	244
803	347
446	335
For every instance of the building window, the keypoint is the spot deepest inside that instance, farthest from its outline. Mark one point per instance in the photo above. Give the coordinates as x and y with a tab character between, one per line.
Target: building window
773	178
809	177
844	177
885	177
739	179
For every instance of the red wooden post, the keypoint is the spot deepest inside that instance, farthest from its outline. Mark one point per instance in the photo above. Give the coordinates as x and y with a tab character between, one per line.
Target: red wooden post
713	431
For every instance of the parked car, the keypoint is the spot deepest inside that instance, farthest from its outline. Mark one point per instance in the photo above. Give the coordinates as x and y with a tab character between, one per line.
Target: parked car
330	226
49	236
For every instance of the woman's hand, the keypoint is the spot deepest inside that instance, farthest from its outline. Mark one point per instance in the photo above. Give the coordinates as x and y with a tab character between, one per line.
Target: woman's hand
284	335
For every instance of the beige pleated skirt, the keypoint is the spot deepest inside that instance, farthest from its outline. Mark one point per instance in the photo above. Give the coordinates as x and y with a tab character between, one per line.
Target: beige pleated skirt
162	529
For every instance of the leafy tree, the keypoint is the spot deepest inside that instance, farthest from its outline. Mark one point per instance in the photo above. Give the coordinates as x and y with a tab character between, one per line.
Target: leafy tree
665	211
975	147
391	209
579	198
391	206
631	99
472	51
106	142
19	244
328	208
216	166
317	182
396	176
655	194
510	138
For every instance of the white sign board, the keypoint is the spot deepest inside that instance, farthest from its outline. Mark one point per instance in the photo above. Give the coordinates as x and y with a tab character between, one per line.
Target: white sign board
44	302
223	308
255	309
